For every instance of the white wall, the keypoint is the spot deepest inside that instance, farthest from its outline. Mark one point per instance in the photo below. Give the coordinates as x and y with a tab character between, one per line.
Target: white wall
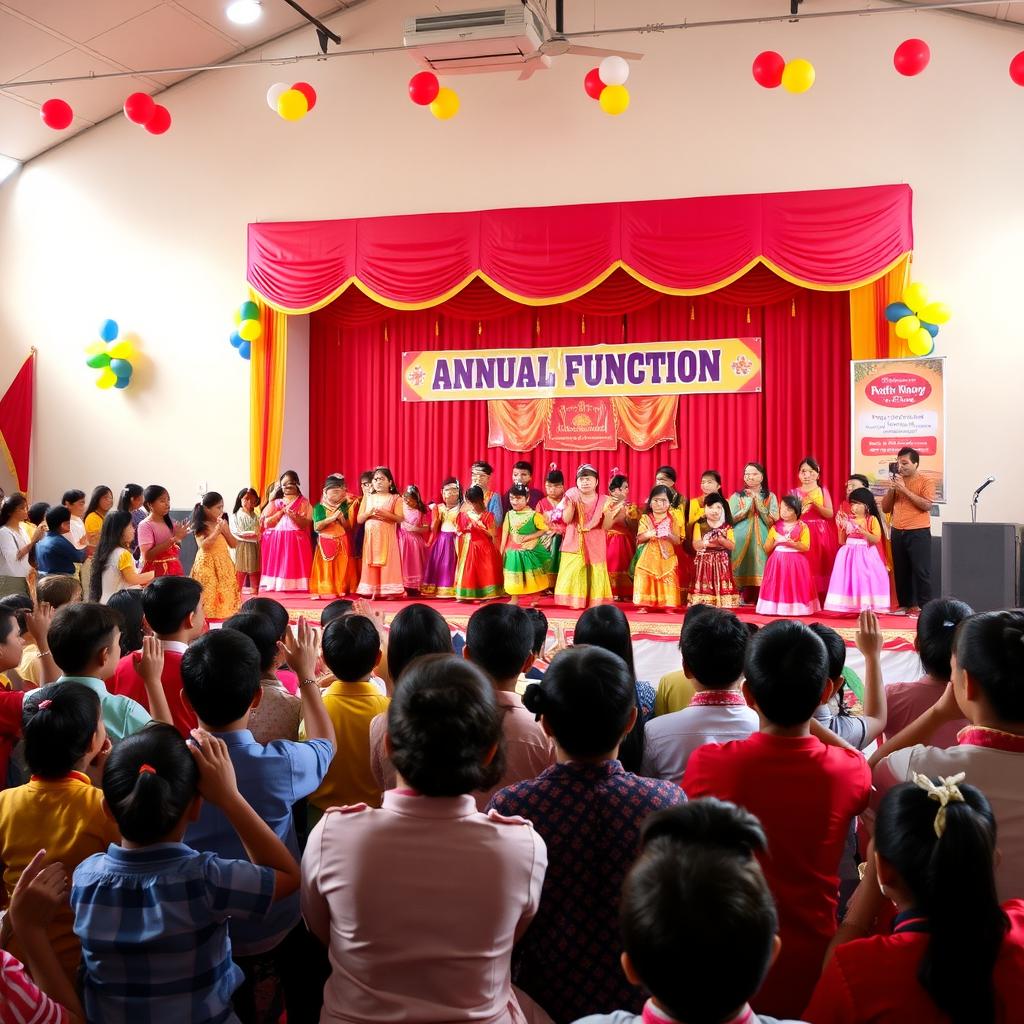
151	231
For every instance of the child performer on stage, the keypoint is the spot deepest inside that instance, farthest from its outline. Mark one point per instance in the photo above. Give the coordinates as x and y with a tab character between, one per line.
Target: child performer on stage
712	566
413	534
359	531
859	580
656	576
525	558
678	509
381	511
439	574
287	557
818	515
551	507
788	587
480	476
479	571
710	483
334	570
213	568
753	509
245	525
583	564
622	538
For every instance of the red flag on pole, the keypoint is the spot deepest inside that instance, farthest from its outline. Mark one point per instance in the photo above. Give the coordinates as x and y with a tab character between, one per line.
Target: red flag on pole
16	421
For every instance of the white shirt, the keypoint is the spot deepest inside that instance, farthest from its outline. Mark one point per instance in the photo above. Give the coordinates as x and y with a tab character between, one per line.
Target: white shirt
113	578
76	531
11	540
669	740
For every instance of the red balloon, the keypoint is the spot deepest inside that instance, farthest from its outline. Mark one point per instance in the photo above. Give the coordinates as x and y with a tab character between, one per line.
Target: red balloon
593	84
423	88
767	69
911	57
56	114
138	108
160	121
1017	68
308	91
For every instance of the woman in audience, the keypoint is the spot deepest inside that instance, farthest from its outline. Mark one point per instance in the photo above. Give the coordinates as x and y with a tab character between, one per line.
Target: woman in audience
100	503
14	548
421	900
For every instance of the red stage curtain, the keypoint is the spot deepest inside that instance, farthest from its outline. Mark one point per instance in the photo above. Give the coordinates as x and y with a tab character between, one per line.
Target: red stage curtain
16	421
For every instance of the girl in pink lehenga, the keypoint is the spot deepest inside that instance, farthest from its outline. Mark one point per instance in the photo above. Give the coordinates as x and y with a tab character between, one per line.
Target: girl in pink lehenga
413	536
381	511
817	514
286	553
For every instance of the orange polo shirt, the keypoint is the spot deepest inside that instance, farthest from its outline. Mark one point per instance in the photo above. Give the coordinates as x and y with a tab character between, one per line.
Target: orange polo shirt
905	514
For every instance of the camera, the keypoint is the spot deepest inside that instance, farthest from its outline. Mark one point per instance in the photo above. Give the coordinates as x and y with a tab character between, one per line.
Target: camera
894	468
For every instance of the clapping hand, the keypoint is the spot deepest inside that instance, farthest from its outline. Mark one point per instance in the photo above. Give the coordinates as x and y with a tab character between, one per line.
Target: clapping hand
217	782
301	650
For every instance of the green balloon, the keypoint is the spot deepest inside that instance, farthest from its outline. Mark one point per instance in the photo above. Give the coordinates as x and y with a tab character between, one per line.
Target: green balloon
250	311
98	361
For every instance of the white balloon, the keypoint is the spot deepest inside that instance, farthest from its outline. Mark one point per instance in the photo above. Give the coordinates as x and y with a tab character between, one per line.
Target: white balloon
613	71
274	93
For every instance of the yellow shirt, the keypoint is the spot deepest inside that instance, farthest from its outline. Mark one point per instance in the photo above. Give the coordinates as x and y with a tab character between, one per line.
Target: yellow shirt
675	692
65	817
351	707
93	524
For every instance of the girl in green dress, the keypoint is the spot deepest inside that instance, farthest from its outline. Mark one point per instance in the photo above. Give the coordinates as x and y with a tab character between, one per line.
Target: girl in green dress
754	510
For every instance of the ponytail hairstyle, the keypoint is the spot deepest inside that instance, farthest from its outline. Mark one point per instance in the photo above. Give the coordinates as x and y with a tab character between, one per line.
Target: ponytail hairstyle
412	491
10	505
153	493
114	524
764	478
698	862
448	482
58	723
941	841
990	648
240	497
715	498
128	494
864	497
791	501
210	499
98	493
150	782
936	628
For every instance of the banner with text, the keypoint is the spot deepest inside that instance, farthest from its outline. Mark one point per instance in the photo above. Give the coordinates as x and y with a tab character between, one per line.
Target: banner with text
899	403
657	368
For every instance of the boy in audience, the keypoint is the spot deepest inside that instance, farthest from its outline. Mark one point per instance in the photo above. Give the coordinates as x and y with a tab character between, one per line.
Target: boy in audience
55	553
500	640
173	607
539	621
221	676
713	645
278	615
351	649
675	689
806	794
59	590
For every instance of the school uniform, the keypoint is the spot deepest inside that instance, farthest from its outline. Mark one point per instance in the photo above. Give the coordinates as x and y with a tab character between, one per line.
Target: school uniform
128	683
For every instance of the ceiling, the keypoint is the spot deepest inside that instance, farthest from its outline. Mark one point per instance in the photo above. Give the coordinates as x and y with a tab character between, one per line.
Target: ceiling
58	38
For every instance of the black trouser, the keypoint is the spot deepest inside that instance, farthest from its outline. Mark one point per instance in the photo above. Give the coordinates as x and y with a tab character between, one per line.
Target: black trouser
912	566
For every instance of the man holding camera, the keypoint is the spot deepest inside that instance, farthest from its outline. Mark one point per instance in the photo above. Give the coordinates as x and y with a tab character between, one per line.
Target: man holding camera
909	499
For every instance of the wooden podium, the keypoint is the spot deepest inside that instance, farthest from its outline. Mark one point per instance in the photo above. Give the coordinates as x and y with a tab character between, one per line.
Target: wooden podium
981	564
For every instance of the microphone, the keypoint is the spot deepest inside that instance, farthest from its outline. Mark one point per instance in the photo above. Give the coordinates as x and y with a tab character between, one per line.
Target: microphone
985	483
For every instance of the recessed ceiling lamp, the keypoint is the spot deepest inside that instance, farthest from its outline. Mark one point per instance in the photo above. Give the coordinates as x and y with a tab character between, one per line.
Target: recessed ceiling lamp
244	12
8	165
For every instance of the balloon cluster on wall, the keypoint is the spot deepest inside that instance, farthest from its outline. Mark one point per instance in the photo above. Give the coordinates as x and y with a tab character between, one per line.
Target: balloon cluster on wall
607	84
426	91
111	357
291	102
917	319
57	114
140	108
247	328
771	69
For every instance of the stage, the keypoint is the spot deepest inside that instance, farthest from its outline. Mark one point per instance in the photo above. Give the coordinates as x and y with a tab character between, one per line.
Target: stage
656	634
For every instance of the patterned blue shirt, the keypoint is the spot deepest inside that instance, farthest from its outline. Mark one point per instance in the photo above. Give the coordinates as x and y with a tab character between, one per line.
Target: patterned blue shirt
153	925
271	778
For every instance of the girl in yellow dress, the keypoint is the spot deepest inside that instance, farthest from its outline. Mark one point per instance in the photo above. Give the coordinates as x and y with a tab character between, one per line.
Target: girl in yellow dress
213	567
656	578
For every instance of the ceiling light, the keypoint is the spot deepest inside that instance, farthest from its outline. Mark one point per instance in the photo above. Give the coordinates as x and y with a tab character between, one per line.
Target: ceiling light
244	12
8	165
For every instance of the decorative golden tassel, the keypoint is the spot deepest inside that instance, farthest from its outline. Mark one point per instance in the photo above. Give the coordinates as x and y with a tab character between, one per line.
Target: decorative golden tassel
538	327
437	328
479	328
693	315
583	325
385	331
792	309
748	314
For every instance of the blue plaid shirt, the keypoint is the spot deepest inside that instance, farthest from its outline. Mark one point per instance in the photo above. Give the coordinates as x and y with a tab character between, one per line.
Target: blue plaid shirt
153	925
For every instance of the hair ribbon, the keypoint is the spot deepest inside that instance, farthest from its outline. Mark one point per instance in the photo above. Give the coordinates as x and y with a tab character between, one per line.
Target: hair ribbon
944	794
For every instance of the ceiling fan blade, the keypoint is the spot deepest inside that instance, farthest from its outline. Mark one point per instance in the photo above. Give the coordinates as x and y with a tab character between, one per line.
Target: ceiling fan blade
597	51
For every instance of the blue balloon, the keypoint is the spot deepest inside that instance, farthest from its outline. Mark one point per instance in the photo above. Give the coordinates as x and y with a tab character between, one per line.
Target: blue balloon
244	349
897	311
932	329
121	367
108	331
236	339
122	382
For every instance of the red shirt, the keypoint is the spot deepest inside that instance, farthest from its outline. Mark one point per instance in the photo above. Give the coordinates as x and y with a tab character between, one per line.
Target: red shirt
805	794
10	728
127	682
875	980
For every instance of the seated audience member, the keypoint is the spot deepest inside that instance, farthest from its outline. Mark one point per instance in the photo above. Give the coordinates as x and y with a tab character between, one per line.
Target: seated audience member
278	615
128	604
59	590
676	689
988	690
153	914
278	713
351	649
857	730
335	609
499	639
804	792
936	628
697	863
954	954
588	809
55	553
173	609
221	675
36	667
713	646
539	621
421	900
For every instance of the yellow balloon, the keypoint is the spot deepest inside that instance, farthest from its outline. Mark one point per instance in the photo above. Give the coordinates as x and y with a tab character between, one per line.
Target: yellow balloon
106	380
121	349
95	348
906	326
920	342
250	330
915	296
292	105
238	316
614	99
935	313
798	75
445	105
